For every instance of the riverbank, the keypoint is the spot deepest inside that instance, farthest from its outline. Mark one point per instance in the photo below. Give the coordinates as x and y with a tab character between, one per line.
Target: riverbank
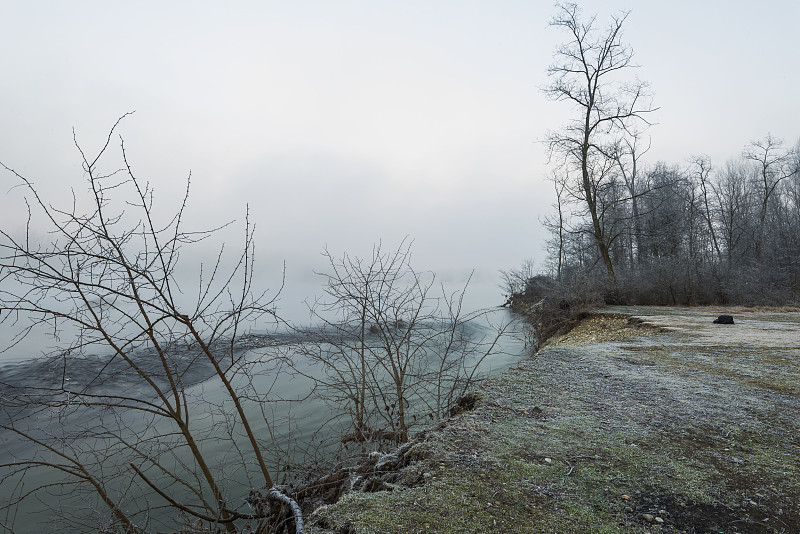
661	423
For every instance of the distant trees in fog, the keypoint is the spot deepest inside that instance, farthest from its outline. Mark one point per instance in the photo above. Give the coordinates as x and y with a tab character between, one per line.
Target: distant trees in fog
690	233
687	233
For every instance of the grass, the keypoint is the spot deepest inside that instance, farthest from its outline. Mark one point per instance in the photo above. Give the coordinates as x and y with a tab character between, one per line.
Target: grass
628	434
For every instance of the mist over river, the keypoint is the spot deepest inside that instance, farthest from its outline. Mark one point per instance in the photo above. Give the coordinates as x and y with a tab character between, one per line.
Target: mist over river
294	426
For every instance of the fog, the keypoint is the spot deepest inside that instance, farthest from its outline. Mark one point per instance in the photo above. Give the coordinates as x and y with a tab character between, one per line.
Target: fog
342	124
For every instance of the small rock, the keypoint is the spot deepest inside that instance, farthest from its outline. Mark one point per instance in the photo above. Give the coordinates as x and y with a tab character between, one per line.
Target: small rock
626	497
648	517
658	519
662	512
548	461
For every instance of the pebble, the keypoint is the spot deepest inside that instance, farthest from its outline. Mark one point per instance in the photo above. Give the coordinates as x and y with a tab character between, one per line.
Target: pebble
548	461
626	497
658	520
648	517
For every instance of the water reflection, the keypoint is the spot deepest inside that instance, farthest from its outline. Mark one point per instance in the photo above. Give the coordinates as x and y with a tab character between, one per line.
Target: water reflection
294	427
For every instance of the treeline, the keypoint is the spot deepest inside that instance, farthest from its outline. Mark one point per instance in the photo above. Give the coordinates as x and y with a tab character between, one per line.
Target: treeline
692	233
685	234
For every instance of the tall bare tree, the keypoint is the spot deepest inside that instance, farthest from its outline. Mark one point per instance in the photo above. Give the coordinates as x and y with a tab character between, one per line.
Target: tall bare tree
702	168
773	165
556	224
627	153
587	73
735	210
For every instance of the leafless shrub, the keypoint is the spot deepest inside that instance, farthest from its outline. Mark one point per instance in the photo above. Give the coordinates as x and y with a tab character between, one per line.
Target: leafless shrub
121	423
393	351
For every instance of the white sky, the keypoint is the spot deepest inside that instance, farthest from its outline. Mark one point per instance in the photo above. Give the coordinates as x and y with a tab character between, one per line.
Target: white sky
347	122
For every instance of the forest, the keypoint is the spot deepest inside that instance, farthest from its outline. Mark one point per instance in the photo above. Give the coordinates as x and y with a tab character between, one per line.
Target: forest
687	234
623	230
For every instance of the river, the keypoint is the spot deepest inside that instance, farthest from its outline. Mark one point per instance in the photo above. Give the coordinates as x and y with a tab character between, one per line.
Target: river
297	428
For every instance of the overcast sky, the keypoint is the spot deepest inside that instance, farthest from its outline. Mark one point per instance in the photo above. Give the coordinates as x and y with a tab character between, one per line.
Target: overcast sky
343	123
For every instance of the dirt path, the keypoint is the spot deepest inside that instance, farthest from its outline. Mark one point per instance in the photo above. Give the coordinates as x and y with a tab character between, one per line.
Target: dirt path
665	424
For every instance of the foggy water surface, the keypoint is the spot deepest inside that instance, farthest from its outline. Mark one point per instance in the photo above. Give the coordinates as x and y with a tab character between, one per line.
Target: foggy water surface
292	422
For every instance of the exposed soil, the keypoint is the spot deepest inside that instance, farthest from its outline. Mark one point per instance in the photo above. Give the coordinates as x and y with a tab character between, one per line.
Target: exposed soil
661	423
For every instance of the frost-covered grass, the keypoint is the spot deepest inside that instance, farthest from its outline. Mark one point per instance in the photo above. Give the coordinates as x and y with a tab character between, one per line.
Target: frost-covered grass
637	432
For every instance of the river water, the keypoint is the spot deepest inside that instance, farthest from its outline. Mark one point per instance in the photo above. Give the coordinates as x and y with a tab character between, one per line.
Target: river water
297	428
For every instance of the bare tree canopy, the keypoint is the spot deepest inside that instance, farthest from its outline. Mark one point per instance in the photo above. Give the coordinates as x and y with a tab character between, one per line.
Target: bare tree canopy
627	230
120	418
588	72
396	349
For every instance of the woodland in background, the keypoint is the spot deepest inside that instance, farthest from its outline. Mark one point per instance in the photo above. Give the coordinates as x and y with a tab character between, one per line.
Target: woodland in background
684	234
623	231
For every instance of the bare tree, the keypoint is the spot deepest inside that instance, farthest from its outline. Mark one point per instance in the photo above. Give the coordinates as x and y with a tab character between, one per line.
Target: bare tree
119	417
557	226
391	352
793	250
627	154
791	236
702	167
515	280
586	73
774	164
735	209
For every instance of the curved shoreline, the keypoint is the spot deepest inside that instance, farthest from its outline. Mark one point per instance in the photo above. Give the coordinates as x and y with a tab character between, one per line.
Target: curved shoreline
617	427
